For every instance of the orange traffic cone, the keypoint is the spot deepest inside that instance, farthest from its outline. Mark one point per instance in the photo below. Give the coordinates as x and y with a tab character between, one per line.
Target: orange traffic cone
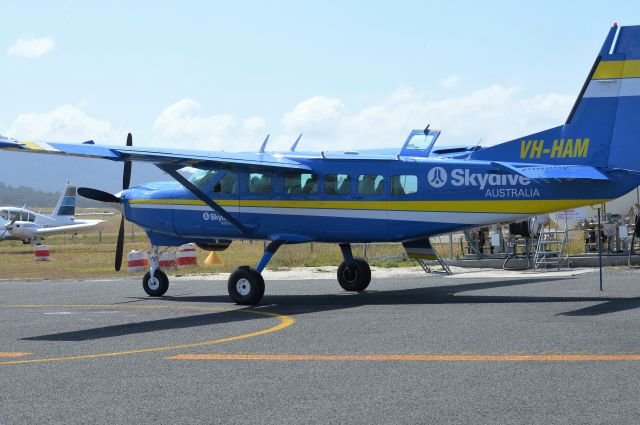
213	259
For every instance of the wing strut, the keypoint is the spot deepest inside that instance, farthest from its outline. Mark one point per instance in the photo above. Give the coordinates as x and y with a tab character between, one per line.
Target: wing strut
173	172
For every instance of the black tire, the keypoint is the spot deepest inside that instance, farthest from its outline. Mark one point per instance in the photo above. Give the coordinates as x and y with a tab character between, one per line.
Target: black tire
354	278
157	288
246	286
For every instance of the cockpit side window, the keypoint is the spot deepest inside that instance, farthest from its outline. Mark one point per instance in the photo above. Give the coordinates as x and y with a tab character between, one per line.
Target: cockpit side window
15	215
4	214
228	184
201	178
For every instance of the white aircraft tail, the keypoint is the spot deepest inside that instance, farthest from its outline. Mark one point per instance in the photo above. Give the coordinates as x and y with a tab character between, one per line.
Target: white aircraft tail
66	205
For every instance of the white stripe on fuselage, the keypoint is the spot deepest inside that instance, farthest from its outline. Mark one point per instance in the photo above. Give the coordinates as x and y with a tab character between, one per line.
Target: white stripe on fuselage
420	216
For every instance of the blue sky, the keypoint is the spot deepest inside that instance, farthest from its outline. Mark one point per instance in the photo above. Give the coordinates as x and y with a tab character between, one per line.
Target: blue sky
221	75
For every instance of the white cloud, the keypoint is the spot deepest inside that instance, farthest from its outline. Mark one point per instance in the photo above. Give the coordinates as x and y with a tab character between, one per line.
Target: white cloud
451	82
65	123
319	114
180	126
496	113
31	47
254	124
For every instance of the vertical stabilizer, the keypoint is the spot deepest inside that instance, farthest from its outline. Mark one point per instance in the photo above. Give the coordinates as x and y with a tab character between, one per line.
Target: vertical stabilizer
603	127
66	205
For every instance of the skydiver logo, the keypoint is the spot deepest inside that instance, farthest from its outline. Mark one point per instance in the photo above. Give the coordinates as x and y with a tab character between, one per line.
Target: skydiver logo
437	177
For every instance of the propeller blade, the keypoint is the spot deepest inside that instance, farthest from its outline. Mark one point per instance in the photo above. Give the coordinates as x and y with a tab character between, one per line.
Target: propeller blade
126	175
8	227
120	246
97	195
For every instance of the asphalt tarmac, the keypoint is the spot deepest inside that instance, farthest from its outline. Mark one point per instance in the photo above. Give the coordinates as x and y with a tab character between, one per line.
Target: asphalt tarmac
540	349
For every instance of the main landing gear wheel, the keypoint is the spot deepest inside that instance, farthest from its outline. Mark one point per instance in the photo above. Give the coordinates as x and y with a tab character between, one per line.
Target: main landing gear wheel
246	286
156	286
355	277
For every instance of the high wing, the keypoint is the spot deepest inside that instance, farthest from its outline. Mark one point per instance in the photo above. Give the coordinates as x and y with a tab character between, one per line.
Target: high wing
68	228
544	171
176	157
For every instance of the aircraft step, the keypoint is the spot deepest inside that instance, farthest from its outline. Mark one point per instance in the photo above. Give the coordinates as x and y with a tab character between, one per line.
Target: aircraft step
427	266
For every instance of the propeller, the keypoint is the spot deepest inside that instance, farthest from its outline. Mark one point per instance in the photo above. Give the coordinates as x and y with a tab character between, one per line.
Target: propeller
126	180
99	195
8	227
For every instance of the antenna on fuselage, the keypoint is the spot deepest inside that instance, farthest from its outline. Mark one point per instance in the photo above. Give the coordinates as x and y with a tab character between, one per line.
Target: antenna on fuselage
295	144
473	150
264	144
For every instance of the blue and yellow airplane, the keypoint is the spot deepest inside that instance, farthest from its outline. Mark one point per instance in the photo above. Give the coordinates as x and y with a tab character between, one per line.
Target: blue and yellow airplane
294	197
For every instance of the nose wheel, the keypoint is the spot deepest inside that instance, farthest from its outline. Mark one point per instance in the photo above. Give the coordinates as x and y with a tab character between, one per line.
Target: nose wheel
157	285
155	282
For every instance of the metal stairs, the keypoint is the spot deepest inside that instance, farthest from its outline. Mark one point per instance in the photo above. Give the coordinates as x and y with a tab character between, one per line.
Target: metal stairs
550	249
428	265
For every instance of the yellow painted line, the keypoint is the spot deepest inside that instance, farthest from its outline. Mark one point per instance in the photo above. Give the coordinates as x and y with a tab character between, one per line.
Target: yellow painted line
412	357
617	69
480	206
16	354
285	321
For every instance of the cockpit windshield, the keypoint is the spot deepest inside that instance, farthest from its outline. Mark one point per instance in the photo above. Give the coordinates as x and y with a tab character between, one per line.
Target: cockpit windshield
201	178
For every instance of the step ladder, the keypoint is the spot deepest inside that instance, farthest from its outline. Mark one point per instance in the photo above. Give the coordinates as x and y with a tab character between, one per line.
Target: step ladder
634	244
550	249
422	251
428	265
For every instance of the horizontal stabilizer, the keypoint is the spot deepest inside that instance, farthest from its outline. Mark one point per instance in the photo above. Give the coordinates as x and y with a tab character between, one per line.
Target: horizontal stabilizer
87	224
541	171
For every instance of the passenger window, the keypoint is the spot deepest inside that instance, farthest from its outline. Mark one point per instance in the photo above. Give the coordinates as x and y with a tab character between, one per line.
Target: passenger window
337	184
404	185
370	184
300	183
259	183
228	184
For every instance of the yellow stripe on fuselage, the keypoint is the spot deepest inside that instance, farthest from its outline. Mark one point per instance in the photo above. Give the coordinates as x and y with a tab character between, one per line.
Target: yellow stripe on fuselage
617	69
523	206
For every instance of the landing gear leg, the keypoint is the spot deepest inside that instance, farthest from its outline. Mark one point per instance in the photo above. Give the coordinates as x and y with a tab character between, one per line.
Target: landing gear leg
246	285
155	282
354	273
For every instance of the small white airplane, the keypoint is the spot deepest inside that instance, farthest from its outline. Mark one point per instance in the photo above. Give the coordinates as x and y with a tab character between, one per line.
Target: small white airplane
31	227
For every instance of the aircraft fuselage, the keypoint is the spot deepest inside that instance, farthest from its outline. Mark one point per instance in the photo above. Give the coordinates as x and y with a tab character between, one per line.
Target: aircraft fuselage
359	200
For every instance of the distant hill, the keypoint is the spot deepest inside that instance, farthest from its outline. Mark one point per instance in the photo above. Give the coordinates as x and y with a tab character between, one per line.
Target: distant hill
51	173
33	198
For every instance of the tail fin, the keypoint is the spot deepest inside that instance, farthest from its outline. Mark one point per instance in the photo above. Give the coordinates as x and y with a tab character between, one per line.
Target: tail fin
66	205
603	128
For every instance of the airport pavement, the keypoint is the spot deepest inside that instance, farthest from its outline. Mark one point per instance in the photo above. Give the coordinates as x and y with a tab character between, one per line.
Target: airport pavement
482	349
